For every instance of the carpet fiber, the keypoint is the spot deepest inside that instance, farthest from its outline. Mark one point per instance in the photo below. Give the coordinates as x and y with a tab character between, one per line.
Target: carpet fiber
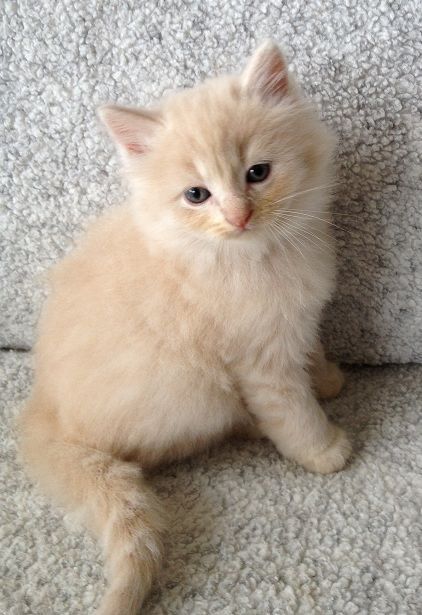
359	60
252	534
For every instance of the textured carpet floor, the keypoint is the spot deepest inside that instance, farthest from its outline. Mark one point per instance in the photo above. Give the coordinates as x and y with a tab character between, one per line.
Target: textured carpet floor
359	60
252	533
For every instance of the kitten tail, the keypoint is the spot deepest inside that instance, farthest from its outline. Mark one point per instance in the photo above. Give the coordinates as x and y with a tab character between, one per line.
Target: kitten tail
111	497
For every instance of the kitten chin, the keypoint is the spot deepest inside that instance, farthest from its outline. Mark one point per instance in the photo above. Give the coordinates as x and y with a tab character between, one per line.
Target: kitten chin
191	313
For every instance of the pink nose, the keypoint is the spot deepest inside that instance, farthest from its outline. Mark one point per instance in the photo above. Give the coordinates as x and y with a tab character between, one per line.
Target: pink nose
239	219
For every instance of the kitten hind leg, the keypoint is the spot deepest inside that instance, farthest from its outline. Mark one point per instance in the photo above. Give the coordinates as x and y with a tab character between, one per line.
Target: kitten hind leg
112	499
327	377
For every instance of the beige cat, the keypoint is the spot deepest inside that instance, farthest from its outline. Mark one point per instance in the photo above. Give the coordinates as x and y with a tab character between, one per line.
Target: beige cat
190	313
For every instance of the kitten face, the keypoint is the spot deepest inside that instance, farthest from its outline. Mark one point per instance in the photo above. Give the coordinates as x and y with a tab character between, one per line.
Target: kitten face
218	161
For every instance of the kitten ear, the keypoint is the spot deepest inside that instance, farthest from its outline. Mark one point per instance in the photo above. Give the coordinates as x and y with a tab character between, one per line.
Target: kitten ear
132	129
266	73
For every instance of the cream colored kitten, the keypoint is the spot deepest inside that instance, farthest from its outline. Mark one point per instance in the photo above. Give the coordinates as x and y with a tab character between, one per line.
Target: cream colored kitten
191	312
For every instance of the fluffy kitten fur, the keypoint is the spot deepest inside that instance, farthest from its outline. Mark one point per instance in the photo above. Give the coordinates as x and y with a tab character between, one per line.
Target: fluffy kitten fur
172	325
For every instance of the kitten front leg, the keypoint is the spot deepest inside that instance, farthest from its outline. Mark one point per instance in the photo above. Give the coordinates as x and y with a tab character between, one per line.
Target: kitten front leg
288	413
327	377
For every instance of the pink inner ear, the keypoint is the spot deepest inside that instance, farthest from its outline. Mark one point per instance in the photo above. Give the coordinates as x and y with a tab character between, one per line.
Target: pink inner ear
131	129
137	148
276	77
127	138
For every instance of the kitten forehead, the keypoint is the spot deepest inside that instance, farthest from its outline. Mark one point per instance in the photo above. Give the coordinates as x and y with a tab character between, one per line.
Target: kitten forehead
219	128
206	112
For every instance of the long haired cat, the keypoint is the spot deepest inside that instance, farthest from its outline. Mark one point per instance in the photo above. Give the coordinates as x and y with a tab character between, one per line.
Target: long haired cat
190	313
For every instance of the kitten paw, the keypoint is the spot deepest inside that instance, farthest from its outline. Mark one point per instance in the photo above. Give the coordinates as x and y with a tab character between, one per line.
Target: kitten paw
333	458
329	383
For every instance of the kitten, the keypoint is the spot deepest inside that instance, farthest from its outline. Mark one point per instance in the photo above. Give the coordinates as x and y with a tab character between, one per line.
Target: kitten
190	313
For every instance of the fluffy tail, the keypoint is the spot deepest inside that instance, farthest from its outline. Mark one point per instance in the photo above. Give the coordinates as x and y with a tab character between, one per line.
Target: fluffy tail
112	498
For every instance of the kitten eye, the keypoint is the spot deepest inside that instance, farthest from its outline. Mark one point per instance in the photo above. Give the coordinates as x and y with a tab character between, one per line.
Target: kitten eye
197	195
258	173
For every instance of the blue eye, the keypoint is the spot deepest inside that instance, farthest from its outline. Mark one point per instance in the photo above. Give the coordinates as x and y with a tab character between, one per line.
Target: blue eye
258	172
197	195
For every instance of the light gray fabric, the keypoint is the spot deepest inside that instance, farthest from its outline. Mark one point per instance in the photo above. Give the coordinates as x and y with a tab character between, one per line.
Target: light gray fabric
252	534
361	62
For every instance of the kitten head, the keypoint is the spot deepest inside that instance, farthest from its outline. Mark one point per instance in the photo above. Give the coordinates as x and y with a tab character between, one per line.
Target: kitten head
220	161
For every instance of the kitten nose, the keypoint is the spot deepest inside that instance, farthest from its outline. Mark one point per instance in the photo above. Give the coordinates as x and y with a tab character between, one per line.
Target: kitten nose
239	219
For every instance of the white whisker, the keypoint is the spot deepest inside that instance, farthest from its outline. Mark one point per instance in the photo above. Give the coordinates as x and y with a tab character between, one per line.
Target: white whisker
330	213
313	238
295	236
289	218
286	237
299	214
306	235
277	239
300	192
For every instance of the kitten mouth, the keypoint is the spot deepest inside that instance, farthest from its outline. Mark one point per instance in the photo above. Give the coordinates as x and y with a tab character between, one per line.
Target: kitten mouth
239	232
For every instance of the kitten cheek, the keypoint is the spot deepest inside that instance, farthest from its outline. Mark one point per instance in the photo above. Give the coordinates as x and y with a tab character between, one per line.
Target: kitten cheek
206	220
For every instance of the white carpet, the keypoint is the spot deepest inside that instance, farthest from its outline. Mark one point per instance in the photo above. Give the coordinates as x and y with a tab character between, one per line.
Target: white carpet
252	533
